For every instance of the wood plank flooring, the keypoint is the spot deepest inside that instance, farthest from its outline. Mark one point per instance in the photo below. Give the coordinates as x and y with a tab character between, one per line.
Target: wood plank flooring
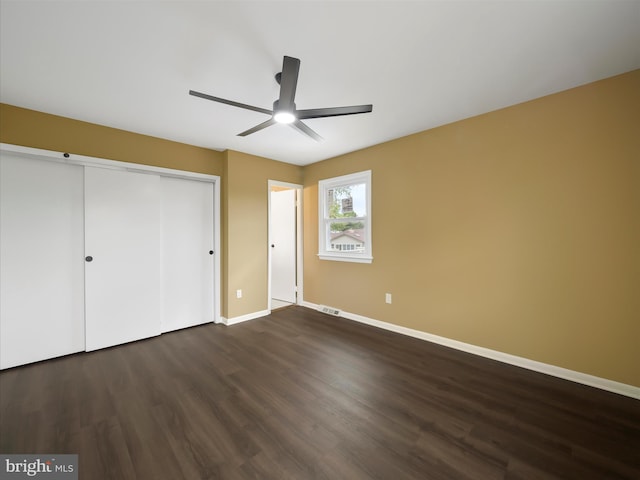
301	395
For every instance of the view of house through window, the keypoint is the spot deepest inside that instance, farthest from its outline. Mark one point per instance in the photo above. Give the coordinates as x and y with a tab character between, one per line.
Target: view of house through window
345	221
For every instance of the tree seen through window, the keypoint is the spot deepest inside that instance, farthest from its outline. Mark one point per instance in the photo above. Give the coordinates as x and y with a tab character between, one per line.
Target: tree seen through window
346	202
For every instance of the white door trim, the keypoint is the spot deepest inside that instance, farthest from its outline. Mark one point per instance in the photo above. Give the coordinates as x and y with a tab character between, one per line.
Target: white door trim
299	239
83	160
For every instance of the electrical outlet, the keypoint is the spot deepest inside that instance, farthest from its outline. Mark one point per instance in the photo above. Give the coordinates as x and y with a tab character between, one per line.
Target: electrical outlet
238	293
387	297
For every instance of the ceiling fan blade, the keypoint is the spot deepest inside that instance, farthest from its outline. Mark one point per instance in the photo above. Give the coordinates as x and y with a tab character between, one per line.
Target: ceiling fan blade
230	102
333	111
298	125
288	83
257	128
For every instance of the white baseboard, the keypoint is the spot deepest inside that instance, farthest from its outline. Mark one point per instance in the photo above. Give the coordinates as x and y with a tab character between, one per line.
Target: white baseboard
564	373
244	318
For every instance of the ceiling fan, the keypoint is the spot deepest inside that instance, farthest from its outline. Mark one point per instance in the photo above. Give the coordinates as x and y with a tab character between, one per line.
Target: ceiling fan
284	108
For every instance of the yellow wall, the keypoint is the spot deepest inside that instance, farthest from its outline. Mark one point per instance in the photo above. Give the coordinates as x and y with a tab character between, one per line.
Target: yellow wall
517	230
246	233
19	126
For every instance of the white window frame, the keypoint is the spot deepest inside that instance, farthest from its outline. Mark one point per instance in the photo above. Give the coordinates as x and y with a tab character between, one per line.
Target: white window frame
324	240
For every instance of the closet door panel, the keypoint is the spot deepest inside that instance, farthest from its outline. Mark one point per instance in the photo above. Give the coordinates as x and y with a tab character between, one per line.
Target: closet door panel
41	257
122	242
187	236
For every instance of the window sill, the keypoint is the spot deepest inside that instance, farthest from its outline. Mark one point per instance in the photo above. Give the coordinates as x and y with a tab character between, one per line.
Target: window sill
345	258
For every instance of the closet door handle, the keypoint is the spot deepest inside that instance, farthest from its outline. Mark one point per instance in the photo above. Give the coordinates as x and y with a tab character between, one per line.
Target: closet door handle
89	258
210	252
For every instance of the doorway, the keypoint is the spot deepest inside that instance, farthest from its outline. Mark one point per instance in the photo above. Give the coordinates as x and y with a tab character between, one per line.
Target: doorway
285	244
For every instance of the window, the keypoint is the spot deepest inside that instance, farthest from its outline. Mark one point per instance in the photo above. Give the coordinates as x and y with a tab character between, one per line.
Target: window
344	213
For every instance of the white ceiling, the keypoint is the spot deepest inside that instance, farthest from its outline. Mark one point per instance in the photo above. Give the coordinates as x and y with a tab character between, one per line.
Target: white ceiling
421	64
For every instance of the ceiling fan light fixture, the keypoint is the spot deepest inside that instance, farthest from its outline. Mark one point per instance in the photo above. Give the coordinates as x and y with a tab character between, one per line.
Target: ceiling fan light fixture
284	117
284	108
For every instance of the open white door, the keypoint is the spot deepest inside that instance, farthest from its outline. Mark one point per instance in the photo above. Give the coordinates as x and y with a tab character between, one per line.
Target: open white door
283	245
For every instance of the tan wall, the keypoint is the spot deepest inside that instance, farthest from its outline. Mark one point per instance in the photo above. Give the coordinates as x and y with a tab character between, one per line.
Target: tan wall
29	128
518	231
246	233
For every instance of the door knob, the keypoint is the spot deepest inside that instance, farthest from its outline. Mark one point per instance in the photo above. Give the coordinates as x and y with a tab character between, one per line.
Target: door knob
210	252
272	245
88	258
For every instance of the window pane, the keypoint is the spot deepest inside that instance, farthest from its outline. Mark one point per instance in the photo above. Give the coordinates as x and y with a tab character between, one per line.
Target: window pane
347	236
347	201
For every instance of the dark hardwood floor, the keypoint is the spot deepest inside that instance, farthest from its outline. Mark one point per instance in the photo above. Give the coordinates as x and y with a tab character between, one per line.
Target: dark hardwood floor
302	395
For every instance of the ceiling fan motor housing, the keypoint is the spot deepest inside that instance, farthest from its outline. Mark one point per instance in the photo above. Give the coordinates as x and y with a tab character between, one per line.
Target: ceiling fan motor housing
276	107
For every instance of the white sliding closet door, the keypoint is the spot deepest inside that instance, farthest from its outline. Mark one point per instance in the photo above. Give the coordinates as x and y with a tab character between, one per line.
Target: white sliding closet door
42	261
122	242
188	253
